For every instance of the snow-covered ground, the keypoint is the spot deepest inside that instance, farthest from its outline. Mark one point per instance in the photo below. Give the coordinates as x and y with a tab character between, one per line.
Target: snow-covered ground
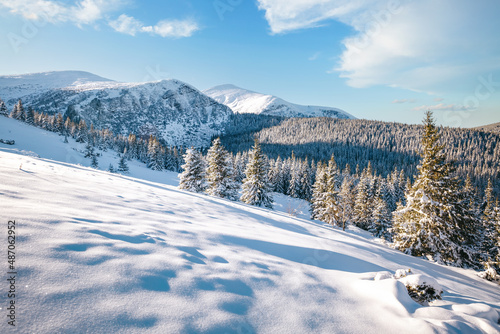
105	253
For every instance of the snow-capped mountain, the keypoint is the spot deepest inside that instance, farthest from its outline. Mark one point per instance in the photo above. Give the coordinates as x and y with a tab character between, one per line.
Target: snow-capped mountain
168	109
245	101
14	87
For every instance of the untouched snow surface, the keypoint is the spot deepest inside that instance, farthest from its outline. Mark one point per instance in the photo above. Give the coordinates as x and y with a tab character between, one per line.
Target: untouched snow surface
105	253
247	102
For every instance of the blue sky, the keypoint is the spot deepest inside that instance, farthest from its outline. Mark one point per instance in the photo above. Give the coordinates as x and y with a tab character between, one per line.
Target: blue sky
385	60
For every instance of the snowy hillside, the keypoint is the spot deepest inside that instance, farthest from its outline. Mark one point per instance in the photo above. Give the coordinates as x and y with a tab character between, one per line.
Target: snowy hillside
168	109
105	253
245	101
14	87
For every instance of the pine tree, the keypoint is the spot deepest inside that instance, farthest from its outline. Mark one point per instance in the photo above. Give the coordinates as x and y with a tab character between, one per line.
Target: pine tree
89	151
433	224
3	109
305	181
332	211
122	165
363	204
489	217
294	186
220	173
17	111
381	225
193	178
318	201
347	199
111	169
155	154
30	116
94	163
256	189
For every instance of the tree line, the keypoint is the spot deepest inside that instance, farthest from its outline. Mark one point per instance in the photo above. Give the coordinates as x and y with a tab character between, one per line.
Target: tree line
385	145
149	149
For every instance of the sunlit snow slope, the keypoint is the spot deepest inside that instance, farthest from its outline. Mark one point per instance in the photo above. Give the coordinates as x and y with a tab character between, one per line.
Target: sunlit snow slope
106	253
244	101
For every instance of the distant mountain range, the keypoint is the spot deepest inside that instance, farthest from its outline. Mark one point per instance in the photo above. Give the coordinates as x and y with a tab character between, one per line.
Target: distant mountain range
247	102
495	127
171	110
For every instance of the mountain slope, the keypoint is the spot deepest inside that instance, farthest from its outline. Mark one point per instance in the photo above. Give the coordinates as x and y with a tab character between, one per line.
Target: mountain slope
495	127
169	109
245	101
106	253
14	87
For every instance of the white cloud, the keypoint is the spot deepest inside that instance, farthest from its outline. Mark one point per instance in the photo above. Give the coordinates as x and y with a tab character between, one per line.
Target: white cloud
84	12
80	12
126	25
404	101
423	45
442	107
166	28
175	28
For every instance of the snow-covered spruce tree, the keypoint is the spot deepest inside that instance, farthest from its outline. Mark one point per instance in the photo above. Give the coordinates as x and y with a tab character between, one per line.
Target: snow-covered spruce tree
220	173
318	201
193	176
122	165
256	189
489	249
305	181
89	151
363	203
347	198
332	210
325	199
17	111
3	109
433	224
155	154
294	188
381	221
93	162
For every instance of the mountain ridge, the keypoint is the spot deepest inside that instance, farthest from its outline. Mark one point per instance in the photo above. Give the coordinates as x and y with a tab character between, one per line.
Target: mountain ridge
171	110
246	101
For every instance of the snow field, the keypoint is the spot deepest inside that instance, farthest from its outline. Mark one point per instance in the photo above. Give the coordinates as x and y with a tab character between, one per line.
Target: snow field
107	253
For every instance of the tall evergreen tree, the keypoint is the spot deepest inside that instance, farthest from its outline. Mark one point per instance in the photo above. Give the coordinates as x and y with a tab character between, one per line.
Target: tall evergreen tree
256	189
364	201
93	162
3	109
489	217
30	116
381	225
193	178
155	154
433	224
122	165
17	111
332	211
318	201
347	199
220	173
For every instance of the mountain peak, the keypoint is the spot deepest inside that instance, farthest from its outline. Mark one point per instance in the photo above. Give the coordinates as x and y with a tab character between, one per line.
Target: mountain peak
245	101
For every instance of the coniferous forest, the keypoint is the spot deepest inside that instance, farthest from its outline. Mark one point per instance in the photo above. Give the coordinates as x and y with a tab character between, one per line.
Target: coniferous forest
428	191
